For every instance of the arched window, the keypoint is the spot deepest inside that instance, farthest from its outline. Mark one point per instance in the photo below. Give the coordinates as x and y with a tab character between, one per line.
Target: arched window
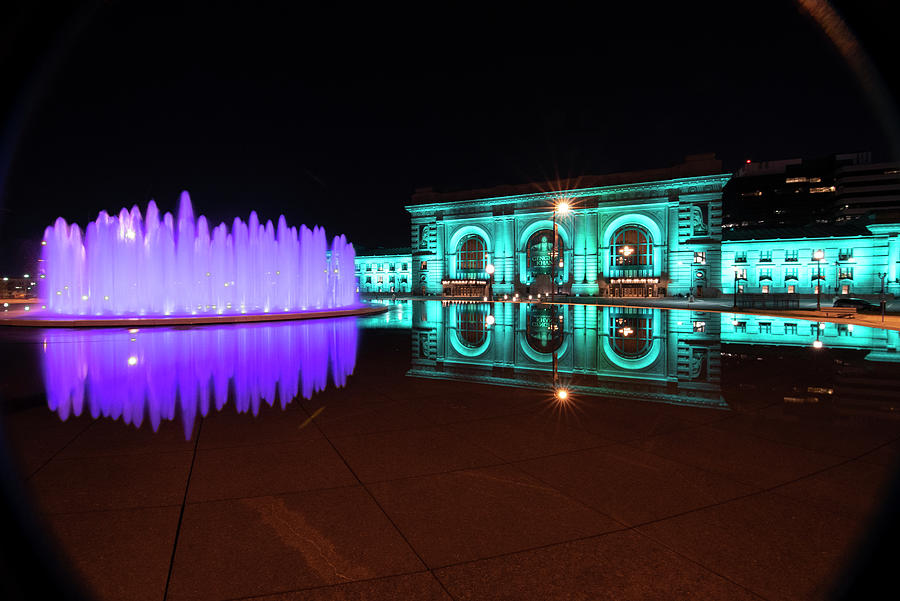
539	251
471	325
471	256
631	336
544	327
631	246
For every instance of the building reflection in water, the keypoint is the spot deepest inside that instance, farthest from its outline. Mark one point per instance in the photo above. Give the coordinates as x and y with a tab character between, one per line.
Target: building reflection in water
672	356
151	373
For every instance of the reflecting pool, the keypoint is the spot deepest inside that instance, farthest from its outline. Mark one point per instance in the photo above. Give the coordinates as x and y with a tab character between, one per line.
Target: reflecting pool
480	450
136	374
704	359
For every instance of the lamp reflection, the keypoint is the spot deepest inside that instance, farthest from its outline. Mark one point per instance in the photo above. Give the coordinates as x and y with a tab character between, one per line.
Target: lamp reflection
148	374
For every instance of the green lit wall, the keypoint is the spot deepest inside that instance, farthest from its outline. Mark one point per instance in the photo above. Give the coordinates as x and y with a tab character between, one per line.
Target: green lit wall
850	265
672	356
382	273
682	216
666	356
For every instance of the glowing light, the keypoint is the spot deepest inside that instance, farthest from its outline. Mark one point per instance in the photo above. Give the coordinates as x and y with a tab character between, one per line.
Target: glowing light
490	269
27	308
100	262
818	344
26	275
5	304
84	297
627	251
82	370
561	394
133	331
489	320
562	207
819	255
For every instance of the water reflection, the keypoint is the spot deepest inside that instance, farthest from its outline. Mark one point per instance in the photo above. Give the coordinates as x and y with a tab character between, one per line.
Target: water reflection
149	373
672	356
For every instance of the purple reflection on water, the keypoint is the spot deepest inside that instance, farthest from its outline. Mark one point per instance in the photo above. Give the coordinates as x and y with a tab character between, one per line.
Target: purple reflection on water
133	374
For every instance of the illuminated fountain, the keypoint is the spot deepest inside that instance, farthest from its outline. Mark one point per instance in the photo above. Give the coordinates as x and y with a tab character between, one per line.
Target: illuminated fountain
156	373
155	266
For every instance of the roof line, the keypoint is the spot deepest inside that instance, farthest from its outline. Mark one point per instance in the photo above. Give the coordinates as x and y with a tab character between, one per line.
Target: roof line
578	192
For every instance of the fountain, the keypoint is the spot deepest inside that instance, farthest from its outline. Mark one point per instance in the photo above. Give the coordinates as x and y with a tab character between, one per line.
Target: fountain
159	373
161	270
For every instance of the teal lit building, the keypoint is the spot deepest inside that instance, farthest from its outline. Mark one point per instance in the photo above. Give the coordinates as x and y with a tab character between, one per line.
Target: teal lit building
635	236
645	234
384	271
846	259
669	356
646	354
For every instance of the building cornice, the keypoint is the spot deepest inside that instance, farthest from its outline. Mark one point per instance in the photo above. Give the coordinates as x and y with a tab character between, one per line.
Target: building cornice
682	185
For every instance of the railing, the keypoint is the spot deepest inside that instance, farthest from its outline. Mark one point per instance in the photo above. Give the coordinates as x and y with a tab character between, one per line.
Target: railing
767	301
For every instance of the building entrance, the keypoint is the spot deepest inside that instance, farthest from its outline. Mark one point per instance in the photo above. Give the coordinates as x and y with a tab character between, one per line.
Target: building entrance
633	289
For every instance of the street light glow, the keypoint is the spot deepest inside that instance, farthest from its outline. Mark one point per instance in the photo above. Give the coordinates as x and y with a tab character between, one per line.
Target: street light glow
562	207
819	255
561	394
490	269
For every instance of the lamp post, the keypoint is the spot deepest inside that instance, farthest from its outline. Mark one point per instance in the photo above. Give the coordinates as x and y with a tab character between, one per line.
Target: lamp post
490	271
818	256
735	270
881	300
562	207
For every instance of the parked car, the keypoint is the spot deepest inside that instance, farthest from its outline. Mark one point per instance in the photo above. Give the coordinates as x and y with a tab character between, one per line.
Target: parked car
861	304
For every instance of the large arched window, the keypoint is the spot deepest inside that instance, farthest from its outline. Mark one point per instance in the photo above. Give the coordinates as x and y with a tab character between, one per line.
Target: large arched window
539	252
632	245
471	257
471	325
631	336
544	327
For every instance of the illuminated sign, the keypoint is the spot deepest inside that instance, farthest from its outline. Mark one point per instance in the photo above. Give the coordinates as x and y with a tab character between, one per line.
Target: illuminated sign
634	280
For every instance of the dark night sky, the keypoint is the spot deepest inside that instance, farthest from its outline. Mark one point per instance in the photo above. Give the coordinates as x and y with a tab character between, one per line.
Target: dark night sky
335	116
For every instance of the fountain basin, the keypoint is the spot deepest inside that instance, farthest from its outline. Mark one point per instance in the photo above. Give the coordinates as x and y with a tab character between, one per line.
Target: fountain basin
44	319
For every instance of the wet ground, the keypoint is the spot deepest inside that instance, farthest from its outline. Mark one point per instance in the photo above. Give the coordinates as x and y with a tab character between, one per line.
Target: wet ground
694	457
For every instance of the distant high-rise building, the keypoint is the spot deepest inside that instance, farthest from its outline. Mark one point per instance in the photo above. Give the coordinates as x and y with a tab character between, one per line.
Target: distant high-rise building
866	190
792	192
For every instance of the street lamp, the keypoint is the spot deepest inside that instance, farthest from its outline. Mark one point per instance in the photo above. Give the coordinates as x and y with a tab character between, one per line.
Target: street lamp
562	207
490	271
818	256
734	294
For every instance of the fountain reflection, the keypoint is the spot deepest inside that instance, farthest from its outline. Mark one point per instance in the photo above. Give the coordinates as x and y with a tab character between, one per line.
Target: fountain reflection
155	373
671	356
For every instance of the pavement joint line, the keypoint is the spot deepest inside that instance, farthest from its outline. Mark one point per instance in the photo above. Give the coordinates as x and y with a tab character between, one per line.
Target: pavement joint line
698	564
383	512
311	417
327	586
790	444
51	514
140	453
273	494
60	450
187	486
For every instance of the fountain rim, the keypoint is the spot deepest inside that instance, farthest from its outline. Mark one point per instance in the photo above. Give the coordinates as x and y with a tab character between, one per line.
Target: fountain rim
359	310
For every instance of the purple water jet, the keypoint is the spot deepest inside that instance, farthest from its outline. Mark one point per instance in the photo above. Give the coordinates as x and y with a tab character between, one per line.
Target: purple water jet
136	265
137	374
